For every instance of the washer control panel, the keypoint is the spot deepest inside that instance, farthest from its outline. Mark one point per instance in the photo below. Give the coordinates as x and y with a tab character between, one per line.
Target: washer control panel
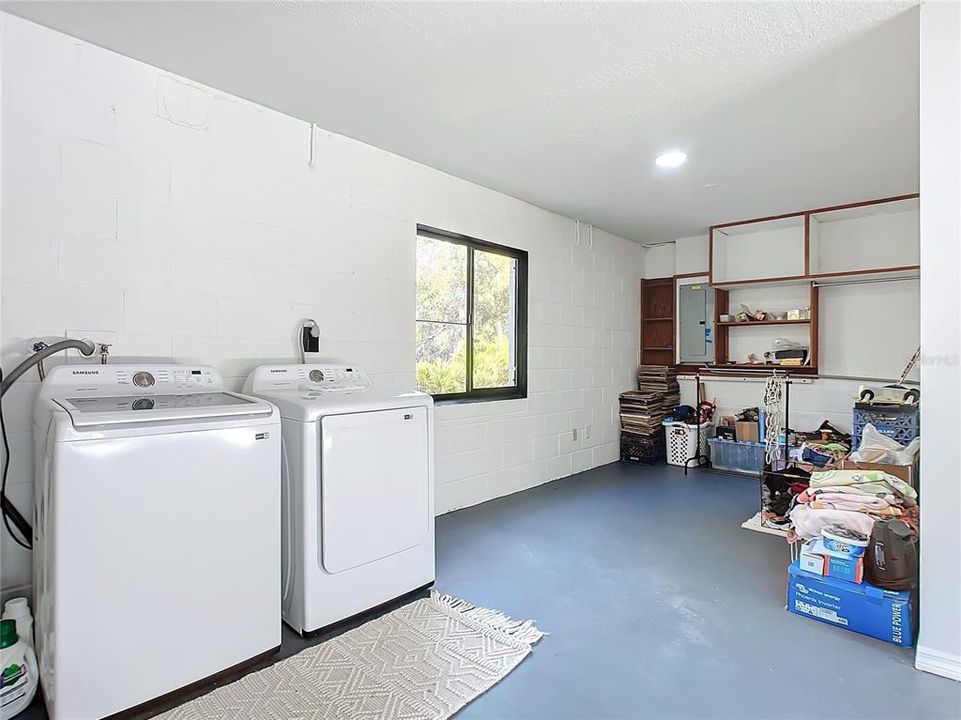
312	377
124	379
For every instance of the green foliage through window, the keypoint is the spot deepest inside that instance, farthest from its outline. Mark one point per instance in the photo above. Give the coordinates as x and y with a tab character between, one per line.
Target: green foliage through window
468	313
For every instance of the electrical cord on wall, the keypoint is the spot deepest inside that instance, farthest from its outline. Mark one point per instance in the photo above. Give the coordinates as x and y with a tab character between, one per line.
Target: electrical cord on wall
7	508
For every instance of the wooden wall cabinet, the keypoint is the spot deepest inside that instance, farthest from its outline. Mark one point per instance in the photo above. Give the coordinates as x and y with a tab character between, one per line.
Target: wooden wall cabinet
657	322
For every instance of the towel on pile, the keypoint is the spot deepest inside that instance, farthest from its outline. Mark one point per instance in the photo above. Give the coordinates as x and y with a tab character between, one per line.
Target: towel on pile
808	522
870	481
850	498
849	501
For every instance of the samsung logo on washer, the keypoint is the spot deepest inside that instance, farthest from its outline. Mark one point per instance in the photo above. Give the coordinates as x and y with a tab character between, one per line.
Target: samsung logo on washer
86	372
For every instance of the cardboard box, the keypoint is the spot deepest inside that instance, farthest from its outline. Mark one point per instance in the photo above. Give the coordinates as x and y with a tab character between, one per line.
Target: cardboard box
810	561
866	609
908	473
817	559
747	431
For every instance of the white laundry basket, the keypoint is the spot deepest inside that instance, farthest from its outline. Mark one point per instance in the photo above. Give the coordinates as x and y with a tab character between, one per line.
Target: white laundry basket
681	440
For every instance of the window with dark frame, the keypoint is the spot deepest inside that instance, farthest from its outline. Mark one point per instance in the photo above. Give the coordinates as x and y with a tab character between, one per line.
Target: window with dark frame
471	321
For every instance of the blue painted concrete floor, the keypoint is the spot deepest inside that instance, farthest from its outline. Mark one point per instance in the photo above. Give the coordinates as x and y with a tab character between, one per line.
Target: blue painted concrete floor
658	605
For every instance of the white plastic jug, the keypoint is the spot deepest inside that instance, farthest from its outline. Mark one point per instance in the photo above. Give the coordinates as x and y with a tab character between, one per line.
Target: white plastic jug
18	610
18	671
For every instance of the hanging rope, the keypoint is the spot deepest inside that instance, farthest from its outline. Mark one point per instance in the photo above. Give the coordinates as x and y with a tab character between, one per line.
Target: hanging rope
773	396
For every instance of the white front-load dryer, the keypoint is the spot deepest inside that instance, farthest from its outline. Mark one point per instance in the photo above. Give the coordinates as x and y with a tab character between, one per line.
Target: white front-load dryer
358	491
156	534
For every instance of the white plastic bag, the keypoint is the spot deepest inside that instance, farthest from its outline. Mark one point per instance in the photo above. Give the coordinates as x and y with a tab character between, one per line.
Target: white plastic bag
878	448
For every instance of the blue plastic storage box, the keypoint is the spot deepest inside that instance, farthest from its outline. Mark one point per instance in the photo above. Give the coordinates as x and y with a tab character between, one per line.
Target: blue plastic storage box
866	609
742	457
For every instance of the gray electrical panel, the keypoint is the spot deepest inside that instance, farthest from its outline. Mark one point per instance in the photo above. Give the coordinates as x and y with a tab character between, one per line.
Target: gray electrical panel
696	322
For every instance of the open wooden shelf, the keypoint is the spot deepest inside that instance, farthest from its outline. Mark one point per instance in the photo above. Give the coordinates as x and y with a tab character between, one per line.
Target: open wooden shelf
722	331
808	247
658	319
764	322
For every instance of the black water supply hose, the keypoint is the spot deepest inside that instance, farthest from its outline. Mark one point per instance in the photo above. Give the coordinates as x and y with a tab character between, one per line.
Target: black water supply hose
7	508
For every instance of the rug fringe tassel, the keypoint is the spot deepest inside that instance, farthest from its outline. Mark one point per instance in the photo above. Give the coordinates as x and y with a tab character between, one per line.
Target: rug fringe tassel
522	630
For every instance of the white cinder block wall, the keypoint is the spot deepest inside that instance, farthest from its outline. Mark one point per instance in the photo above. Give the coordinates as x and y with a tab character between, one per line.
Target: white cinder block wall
179	222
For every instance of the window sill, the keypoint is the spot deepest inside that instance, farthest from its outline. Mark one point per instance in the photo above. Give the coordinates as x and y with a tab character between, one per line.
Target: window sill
438	402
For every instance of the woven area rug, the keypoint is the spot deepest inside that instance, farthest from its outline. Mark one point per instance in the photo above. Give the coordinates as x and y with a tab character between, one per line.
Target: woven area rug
427	659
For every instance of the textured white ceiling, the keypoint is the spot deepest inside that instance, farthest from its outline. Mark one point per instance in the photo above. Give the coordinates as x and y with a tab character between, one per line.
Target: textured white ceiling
780	106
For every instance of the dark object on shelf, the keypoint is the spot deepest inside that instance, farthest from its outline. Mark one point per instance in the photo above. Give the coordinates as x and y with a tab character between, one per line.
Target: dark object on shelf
646	451
792	353
748	415
891	560
725	432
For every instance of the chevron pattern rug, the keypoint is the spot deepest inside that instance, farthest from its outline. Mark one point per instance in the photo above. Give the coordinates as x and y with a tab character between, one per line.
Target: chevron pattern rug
425	660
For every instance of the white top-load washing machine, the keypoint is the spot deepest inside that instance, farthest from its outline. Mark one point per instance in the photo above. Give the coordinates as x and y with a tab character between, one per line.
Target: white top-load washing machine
358	480
156	533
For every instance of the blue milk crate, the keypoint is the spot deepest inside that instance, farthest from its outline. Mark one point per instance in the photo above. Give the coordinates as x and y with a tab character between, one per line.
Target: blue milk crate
741	457
901	423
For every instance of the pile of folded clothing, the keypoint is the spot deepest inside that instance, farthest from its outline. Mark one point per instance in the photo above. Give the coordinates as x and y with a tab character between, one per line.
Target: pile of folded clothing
854	500
858	566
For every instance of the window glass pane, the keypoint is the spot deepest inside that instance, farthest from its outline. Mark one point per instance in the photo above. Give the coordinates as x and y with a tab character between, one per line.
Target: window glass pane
441	358
441	280
494	316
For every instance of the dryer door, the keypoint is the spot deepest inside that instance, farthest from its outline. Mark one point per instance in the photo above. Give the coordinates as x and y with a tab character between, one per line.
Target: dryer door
374	485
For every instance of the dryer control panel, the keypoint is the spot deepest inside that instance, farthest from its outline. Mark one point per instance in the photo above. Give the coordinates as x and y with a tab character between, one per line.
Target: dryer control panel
314	377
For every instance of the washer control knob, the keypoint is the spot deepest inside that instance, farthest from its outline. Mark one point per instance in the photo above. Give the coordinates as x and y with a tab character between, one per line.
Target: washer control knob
316	375
143	404
143	379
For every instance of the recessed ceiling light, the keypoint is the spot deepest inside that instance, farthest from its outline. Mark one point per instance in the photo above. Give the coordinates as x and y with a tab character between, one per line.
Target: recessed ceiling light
672	159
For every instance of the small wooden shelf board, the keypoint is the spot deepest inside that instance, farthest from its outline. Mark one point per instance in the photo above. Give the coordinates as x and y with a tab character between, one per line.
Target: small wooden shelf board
734	323
766	367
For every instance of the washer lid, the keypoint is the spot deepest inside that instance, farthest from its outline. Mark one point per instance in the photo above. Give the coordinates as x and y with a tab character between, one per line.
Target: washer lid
97	411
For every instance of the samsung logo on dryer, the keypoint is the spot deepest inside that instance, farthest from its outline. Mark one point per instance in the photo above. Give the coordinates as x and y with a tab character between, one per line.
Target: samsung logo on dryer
85	372
275	370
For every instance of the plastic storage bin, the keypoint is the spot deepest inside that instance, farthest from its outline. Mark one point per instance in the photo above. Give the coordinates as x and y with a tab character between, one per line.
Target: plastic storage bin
742	457
681	441
898	423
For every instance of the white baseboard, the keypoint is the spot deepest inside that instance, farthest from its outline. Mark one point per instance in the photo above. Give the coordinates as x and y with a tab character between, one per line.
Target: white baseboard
939	663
